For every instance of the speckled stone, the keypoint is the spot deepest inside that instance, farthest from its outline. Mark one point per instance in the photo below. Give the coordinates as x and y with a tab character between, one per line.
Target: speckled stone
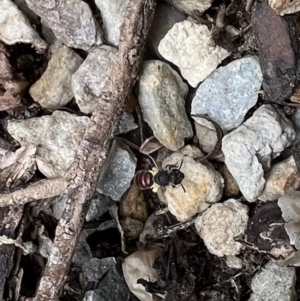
229	92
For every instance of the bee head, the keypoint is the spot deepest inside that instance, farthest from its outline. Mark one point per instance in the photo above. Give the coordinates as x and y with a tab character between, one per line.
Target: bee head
176	176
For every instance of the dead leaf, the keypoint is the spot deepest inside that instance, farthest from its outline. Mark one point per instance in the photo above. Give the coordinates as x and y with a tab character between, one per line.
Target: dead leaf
18	167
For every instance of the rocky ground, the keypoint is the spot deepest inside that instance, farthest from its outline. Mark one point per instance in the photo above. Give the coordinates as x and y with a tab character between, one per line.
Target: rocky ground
217	97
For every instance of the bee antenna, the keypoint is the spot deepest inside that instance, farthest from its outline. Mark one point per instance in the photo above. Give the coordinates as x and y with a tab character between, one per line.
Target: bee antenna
182	187
137	148
180	164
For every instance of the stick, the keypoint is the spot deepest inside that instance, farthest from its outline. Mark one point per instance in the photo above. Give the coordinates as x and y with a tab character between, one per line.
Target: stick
95	145
40	190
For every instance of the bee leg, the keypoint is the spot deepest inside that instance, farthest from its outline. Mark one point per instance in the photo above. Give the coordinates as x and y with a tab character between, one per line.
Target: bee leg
155	188
154	171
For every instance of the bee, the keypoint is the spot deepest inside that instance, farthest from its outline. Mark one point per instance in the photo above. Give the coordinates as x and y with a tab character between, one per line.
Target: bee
156	178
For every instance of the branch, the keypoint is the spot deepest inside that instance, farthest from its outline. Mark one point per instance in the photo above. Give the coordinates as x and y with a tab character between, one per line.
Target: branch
93	150
40	190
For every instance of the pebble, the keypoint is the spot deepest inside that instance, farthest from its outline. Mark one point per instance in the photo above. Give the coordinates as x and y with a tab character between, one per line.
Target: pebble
188	6
71	21
249	149
191	151
94	269
99	205
15	27
164	18
290	208
234	262
284	7
111	287
203	186
118	171
126	124
53	89
131	227
192	49
231	188
219	224
112	14
56	136
82	252
206	134
229	92
89	80
281	178
162	95
274	283
134	205
295	118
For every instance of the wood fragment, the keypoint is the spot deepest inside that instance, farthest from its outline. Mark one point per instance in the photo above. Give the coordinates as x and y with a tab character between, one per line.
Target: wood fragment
40	190
94	148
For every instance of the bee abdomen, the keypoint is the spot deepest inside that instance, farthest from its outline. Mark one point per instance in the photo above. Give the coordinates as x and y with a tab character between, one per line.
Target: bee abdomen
144	179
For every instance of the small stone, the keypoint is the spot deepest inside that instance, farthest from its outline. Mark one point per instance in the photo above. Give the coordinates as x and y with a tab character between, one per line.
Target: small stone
164	18
126	124
274	283
229	92
231	188
191	47
296	95
71	21
134	205
276	51
295	118
53	89
162	95
56	136
290	207
89	80
219	224
112	14
82	253
203	186
94	269
188	6
249	149
234	262
131	227
280	179
15	27
99	205
118	171
112	287
283	7
207	136
191	151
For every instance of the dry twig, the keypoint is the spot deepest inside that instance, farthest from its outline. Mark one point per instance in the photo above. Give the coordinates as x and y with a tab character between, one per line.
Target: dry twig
37	191
84	172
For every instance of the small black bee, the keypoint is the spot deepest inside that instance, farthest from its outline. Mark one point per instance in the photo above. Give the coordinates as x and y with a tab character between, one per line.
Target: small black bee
156	178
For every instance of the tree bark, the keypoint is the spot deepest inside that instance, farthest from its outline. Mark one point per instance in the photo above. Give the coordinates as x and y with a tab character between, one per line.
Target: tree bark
84	172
